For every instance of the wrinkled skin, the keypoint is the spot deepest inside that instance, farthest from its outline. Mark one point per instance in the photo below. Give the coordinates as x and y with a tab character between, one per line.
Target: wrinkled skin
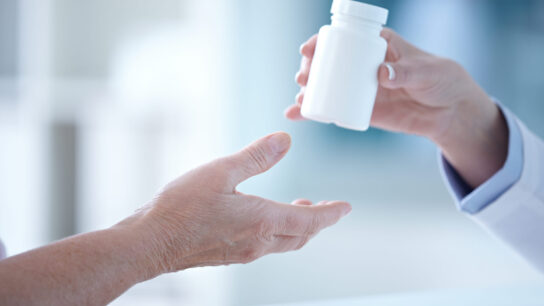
200	219
203	220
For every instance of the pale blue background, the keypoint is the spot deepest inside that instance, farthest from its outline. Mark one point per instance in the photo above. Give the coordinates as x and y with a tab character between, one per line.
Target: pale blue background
87	101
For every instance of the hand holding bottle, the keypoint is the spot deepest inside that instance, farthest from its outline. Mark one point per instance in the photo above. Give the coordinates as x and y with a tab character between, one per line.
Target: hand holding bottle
434	97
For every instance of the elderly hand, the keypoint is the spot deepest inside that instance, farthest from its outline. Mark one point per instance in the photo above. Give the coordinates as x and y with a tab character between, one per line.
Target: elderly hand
434	97
197	220
200	219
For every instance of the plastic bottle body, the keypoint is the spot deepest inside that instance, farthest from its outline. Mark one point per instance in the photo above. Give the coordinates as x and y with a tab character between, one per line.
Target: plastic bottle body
343	81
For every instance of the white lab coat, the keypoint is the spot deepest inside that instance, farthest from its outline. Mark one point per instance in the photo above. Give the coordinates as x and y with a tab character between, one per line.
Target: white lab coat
517	217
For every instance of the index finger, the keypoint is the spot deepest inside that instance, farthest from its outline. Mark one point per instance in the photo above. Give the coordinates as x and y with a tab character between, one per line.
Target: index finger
308	48
397	46
308	220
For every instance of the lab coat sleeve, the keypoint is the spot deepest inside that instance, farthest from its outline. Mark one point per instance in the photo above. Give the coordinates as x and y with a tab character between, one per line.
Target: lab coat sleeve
516	216
472	201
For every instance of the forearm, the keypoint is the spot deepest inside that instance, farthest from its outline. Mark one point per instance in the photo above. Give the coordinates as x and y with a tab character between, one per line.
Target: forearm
199	219
475	141
88	269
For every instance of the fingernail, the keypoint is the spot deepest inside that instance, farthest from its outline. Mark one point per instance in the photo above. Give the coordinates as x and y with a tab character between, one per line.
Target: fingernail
347	208
392	73
279	142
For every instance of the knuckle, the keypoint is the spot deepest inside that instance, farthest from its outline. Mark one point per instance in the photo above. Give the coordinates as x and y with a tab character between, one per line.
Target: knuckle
297	77
436	69
251	254
265	230
301	79
403	73
447	63
223	166
221	171
313	226
257	158
387	33
292	221
439	65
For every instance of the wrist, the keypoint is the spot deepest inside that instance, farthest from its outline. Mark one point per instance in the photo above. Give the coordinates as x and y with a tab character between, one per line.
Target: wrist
458	123
164	237
148	255
131	250
475	138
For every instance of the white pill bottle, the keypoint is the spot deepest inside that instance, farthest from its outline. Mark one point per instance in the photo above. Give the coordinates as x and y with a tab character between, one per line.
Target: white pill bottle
343	80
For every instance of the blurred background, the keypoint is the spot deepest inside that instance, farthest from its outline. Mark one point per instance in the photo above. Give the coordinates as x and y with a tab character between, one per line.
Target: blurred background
102	102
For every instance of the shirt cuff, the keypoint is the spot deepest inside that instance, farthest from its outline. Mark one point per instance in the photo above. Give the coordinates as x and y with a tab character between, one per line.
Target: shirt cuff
473	201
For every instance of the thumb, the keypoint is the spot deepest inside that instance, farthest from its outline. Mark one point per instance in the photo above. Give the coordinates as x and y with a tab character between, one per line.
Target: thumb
258	157
397	75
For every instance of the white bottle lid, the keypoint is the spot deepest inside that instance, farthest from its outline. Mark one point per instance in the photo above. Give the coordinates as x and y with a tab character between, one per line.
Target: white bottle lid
360	10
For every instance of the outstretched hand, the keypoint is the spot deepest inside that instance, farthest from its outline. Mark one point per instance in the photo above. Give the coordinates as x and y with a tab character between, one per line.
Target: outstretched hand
200	219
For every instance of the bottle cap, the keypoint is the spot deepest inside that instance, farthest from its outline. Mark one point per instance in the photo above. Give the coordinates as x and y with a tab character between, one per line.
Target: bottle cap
360	10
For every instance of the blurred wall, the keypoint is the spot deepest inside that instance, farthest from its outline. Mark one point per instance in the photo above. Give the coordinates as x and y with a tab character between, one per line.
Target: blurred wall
103	102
